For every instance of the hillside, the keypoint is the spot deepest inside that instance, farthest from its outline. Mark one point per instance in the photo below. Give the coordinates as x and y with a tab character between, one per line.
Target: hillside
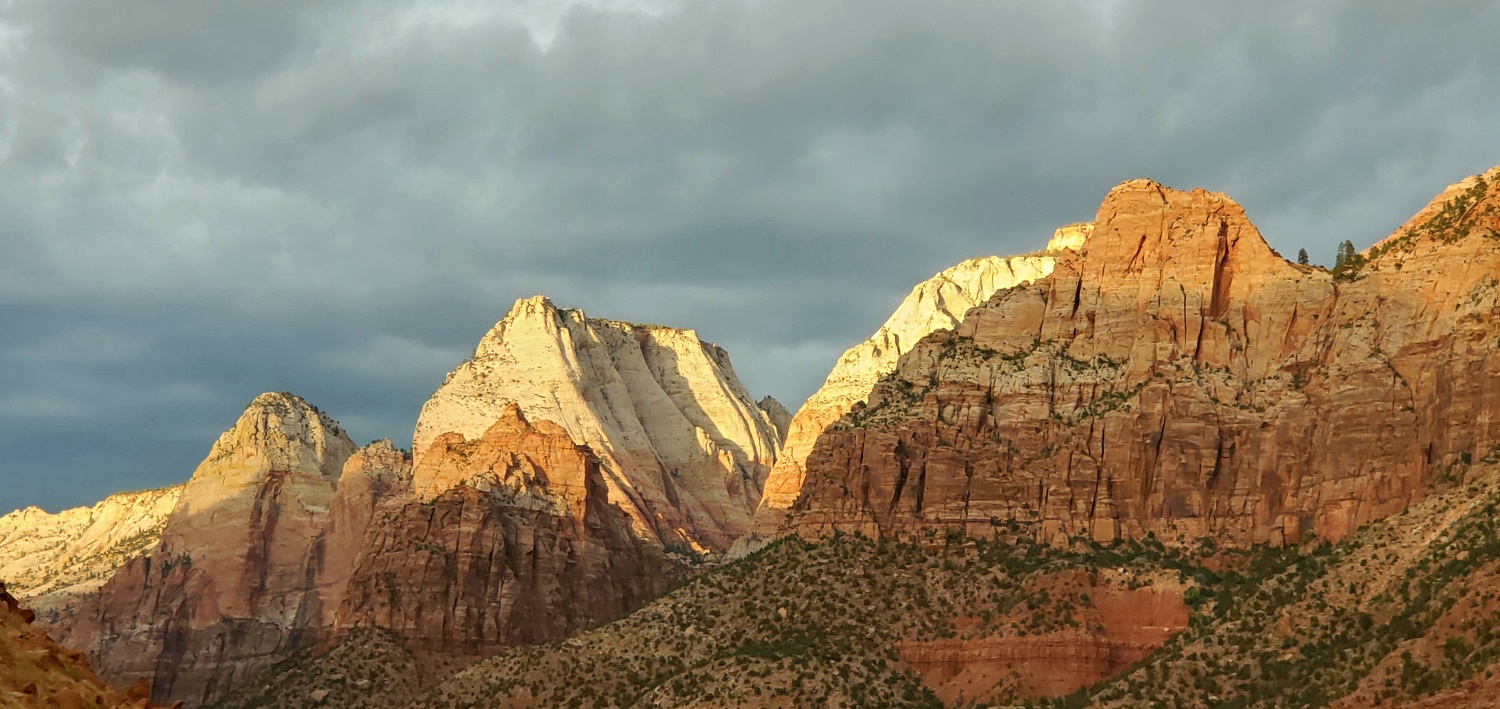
1404	611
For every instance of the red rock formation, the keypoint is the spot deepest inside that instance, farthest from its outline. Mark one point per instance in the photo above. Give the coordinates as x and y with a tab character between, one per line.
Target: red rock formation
537	555
222	594
1120	626
376	479
1180	377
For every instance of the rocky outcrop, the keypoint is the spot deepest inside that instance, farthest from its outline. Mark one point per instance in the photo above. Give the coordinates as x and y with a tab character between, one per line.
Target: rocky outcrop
777	414
53	561
938	303
1121	625
222	594
1180	377
528	549
683	448
37	672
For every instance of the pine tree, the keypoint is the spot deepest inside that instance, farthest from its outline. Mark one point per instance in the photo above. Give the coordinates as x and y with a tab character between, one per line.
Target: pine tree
1302	256
1346	261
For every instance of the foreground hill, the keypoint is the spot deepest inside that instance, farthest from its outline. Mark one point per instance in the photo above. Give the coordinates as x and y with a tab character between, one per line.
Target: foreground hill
36	672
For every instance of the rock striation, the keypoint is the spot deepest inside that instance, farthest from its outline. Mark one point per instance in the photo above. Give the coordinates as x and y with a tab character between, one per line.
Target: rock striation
529	549
938	303
683	448
1179	377
222	594
53	561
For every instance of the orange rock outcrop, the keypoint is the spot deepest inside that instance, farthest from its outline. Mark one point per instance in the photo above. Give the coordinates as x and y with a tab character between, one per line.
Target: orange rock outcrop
537	555
1179	377
37	672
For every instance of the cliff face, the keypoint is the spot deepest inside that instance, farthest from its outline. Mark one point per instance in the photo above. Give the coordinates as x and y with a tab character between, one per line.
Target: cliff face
221	594
53	561
536	554
939	302
1181	378
683	448
375	480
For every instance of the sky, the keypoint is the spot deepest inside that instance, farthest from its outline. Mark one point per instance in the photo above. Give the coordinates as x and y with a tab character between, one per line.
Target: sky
200	201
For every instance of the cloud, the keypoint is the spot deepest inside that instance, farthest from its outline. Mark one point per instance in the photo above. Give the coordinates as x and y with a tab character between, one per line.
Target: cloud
340	198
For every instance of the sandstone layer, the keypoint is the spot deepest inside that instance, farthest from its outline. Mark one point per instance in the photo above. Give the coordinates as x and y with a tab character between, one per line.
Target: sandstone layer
52	561
1179	377
938	303
683	448
538	553
222	593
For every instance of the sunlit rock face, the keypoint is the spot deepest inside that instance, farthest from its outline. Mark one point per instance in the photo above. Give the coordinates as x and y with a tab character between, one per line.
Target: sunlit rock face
528	549
222	593
52	562
939	302
1179	377
683	447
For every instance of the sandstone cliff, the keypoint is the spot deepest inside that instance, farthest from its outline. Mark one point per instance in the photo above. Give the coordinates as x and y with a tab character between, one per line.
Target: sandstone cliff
222	593
1178	377
938	303
537	553
52	561
683	447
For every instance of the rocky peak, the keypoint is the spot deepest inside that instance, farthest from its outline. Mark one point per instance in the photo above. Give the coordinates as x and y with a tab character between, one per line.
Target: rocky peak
1470	206
685	445
281	431
1196	238
1070	237
777	413
224	591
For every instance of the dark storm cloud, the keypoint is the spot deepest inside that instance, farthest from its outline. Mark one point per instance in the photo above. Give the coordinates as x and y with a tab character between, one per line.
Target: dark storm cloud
203	201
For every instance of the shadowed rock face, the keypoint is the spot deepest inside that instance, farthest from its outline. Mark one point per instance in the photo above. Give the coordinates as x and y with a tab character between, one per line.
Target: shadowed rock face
222	594
1179	377
538	554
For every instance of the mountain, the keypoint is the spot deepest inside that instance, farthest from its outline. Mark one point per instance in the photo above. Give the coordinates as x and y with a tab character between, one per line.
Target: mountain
936	303
1179	378
1178	469
564	476
222	594
529	549
684	448
52	561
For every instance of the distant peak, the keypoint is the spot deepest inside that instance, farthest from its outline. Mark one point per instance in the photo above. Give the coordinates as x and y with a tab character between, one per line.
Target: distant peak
279	399
1070	237
530	307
